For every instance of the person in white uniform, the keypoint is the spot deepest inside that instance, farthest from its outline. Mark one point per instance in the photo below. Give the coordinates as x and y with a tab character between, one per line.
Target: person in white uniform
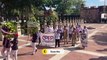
84	39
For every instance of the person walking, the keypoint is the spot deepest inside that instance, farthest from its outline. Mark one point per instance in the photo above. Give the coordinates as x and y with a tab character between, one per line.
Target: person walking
65	35
57	39
70	32
60	29
38	38
78	29
86	31
6	42
34	40
14	47
84	39
74	36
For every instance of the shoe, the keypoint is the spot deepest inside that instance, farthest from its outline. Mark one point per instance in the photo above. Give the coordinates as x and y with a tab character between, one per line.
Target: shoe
32	54
4	59
83	47
36	50
73	45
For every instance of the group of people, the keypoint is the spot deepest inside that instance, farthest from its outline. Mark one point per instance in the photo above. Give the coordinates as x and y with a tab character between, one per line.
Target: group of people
69	33
10	44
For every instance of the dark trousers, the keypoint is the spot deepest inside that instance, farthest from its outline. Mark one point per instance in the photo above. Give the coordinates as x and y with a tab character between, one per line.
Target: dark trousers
61	37
57	42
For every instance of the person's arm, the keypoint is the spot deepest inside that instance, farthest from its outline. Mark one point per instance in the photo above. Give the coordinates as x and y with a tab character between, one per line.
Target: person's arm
6	32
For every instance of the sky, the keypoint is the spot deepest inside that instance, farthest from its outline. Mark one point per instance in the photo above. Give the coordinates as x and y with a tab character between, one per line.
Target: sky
95	2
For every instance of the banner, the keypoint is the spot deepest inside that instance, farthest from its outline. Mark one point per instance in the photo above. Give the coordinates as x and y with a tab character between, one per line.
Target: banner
47	39
103	16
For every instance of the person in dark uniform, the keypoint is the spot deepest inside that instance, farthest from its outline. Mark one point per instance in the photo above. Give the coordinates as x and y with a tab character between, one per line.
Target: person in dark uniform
14	47
6	42
34	39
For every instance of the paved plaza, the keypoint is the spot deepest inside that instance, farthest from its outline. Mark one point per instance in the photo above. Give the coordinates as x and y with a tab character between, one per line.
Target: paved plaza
96	50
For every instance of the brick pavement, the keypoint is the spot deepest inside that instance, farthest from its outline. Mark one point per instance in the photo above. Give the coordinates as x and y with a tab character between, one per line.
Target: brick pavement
25	52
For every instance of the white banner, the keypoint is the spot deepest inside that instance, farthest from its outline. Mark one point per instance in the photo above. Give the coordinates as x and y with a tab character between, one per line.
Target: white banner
47	39
104	16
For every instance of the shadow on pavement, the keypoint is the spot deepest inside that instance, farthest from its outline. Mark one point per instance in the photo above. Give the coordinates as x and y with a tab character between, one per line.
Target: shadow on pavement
90	28
102	50
100	39
23	54
73	48
1	57
99	58
41	47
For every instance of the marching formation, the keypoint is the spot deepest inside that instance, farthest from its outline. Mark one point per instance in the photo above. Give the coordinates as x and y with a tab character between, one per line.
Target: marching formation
66	34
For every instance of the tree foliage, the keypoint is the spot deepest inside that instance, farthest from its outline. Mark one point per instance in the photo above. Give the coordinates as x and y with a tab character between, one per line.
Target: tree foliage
28	7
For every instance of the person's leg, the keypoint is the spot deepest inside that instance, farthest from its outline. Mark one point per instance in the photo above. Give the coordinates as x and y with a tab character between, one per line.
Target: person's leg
70	37
67	40
34	48
11	55
64	41
77	38
55	42
3	53
60	36
8	53
39	41
58	43
15	54
73	41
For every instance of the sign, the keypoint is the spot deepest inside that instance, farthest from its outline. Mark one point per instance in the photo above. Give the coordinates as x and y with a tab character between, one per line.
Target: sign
47	39
104	16
31	24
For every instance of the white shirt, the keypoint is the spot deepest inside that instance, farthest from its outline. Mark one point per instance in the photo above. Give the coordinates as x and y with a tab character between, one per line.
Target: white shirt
55	29
86	30
46	29
50	29
70	30
57	35
79	29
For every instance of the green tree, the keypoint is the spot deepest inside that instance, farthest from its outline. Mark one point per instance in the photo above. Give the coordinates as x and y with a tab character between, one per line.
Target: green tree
69	6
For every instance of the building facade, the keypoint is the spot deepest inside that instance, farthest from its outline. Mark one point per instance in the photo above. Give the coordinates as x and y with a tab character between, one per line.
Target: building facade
92	14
